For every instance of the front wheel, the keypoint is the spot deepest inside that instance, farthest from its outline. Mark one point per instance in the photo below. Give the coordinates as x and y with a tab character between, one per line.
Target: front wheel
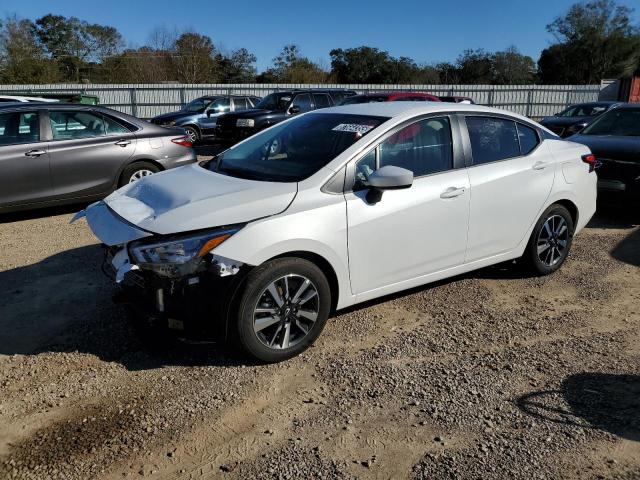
283	309
550	240
192	133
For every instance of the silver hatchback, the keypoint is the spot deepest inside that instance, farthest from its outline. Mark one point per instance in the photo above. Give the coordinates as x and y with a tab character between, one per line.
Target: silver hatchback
53	154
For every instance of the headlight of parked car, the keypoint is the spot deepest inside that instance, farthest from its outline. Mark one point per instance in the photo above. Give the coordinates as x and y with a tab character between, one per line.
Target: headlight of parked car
245	122
178	256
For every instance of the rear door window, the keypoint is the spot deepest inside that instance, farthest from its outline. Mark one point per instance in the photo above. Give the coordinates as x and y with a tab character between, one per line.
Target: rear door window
303	101
19	127
321	100
492	139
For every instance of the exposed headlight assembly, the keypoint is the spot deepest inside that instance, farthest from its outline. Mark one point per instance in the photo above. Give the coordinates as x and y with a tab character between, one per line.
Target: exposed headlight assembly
245	122
179	256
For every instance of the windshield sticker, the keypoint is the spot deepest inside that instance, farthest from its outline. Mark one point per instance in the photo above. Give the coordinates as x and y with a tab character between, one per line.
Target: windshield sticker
353	128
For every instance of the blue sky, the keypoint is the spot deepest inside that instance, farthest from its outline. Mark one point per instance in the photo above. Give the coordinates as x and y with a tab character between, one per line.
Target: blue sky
426	31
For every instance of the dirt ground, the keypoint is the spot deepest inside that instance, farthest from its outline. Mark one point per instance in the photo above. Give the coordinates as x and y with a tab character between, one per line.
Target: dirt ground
490	375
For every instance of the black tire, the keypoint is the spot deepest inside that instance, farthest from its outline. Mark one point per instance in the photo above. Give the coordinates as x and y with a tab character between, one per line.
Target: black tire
193	133
554	252
136	168
255	291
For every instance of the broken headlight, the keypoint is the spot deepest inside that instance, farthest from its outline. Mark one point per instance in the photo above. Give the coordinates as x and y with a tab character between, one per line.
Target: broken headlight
178	256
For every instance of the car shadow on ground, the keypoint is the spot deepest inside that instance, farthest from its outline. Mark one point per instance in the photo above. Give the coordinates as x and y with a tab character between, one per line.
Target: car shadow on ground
63	304
42	212
604	401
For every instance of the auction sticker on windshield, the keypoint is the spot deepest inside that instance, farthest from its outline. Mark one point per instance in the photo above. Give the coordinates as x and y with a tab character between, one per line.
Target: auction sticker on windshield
352	127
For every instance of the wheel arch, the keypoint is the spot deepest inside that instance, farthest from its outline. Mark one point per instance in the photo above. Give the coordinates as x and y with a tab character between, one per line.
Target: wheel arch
324	265
572	207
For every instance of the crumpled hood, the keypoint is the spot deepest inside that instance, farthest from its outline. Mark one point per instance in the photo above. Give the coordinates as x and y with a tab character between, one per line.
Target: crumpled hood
193	198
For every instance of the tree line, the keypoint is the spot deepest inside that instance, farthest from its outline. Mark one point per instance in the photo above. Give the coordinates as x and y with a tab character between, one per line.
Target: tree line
593	40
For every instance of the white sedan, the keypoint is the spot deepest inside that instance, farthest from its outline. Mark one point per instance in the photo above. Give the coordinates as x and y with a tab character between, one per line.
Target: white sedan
336	207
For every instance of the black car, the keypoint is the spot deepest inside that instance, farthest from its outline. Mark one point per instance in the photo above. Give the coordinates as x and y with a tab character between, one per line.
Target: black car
272	109
199	116
614	138
576	117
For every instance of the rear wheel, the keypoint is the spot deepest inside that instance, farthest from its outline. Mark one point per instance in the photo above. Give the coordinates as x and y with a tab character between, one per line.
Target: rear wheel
192	133
136	171
283	309
550	240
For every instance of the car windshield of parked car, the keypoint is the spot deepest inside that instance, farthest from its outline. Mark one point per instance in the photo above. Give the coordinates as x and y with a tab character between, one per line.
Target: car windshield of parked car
275	101
197	105
587	110
364	99
295	150
617	122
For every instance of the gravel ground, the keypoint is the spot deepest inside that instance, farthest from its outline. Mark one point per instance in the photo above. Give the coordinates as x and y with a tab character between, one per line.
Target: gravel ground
491	375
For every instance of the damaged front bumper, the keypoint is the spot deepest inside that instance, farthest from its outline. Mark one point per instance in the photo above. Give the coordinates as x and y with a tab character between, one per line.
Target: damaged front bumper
195	305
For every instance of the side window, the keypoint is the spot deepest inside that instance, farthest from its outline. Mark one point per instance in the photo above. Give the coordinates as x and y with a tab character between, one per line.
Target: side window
19	127
424	147
303	101
71	125
220	105
492	139
321	100
528	138
112	127
254	101
240	103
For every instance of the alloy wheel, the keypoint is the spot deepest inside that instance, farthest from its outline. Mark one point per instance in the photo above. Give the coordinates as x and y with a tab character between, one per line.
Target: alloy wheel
553	240
192	134
286	311
138	174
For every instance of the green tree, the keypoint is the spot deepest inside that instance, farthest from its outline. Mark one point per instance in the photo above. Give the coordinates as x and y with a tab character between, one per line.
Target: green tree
237	67
510	67
22	59
193	58
291	67
596	40
475	67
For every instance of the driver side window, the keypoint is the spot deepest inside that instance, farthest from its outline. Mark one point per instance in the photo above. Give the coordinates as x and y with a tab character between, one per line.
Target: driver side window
220	105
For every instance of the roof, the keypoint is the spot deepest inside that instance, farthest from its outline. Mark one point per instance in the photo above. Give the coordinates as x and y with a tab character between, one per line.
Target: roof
409	109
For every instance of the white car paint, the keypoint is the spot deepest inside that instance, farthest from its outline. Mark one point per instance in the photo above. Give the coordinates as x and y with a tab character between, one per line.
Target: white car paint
409	238
23	99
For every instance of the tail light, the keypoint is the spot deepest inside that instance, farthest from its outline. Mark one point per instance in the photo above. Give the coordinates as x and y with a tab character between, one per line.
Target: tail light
183	141
591	160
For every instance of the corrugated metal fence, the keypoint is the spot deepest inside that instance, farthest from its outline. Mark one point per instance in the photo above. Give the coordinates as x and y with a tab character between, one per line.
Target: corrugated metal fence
148	100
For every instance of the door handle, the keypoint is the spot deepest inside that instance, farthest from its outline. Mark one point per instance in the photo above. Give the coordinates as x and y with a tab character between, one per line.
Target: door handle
540	165
452	192
35	153
123	143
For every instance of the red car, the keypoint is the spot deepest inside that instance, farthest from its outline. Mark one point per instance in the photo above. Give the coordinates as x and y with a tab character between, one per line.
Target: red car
390	97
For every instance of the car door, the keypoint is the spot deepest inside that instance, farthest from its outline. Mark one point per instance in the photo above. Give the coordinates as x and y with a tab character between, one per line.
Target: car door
24	159
511	176
88	150
207	122
409	233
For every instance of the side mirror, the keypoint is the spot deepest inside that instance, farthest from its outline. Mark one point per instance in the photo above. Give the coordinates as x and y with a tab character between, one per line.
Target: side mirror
209	112
294	109
390	177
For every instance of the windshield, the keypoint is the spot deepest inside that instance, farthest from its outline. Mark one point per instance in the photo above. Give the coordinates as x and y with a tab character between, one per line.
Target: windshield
618	122
197	105
294	150
275	101
364	99
586	110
